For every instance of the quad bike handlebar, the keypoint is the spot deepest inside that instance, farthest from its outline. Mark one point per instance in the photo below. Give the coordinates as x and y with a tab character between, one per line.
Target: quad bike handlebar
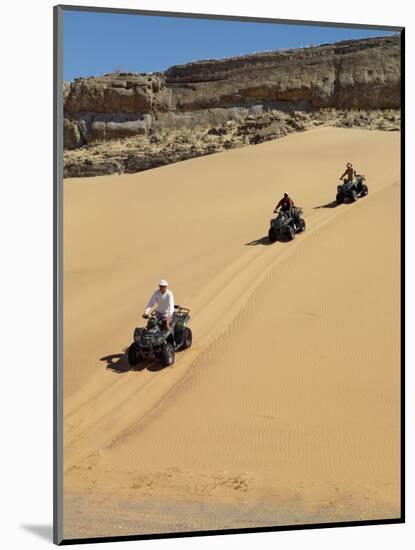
176	307
148	315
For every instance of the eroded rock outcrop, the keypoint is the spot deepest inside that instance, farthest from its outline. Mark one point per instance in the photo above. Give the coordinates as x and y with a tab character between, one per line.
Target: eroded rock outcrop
358	74
261	96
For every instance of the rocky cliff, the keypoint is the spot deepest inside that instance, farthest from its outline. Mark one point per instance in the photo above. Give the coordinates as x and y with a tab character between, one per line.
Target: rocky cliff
260	96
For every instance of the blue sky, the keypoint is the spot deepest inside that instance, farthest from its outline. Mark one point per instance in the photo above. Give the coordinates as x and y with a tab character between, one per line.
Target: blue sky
98	43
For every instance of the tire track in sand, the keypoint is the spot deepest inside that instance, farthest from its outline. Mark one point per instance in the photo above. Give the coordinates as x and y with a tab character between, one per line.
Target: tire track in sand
217	340
100	415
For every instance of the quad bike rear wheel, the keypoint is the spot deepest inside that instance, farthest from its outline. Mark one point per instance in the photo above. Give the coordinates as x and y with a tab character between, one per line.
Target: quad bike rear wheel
187	338
290	233
301	225
339	198
183	338
167	355
353	196
365	190
271	235
134	356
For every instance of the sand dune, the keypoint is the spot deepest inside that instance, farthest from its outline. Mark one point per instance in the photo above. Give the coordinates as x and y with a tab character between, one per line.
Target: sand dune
286	408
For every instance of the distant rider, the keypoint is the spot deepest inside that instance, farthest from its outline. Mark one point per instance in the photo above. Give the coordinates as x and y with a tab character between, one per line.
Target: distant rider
164	299
349	172
286	203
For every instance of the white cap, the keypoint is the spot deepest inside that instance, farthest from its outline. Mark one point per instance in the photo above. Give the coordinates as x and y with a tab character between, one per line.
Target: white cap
163	282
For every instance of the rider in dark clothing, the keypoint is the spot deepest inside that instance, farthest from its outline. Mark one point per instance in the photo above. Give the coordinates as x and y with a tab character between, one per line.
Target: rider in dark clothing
286	203
349	172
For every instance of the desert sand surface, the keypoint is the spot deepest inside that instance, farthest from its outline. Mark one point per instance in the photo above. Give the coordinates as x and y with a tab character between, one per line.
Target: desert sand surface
287	407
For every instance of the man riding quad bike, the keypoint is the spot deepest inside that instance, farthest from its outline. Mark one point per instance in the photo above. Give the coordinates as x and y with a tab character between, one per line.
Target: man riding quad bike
159	340
286	203
351	189
288	222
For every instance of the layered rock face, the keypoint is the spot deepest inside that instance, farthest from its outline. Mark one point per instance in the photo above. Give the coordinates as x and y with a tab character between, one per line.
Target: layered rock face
251	90
360	74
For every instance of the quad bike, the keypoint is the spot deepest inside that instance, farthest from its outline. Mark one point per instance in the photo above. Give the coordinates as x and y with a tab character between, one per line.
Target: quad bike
159	341
351	190
286	224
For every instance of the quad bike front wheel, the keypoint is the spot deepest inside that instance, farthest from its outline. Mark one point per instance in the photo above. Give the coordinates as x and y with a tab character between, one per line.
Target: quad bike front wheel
167	355
134	356
365	190
353	196
272	235
339	198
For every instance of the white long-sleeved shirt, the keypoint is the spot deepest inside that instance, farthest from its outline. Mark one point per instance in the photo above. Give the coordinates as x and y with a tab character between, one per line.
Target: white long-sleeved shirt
165	302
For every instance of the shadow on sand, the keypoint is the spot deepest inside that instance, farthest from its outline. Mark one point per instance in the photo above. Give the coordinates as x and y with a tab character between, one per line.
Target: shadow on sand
266	242
119	364
331	204
263	240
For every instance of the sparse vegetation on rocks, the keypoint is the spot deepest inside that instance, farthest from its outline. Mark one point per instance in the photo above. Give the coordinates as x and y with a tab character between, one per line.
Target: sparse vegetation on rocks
129	122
